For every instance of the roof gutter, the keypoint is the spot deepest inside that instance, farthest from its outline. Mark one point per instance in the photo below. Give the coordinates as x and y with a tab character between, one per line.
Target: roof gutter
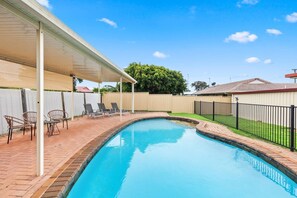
268	91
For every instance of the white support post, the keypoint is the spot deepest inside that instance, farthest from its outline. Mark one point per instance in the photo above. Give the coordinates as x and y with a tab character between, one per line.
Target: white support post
132	97
99	98
40	100
121	97
72	105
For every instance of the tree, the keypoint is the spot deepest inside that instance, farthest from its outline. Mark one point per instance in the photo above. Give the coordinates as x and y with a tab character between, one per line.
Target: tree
213	84
75	81
106	88
155	79
199	85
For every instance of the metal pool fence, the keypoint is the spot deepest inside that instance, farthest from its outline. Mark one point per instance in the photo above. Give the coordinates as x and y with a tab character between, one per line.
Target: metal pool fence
276	124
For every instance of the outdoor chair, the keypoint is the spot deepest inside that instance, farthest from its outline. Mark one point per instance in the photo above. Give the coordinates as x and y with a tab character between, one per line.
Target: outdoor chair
103	109
116	108
31	117
16	123
59	115
91	113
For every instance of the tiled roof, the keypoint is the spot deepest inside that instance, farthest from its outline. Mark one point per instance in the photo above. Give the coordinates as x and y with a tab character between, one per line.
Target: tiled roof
83	89
249	85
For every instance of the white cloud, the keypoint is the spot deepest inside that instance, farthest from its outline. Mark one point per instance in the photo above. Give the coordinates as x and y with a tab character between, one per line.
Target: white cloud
158	54
292	18
108	21
247	2
274	31
44	3
267	61
252	60
242	37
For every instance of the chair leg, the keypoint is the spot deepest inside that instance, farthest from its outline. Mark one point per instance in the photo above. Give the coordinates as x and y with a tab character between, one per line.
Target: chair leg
11	134
34	129
8	137
31	132
56	127
24	130
67	124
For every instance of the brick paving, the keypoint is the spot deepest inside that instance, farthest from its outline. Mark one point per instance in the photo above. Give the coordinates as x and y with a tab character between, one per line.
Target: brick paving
18	159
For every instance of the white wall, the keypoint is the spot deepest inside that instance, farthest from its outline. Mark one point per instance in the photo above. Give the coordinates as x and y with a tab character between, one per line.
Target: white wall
265	113
278	99
11	103
93	99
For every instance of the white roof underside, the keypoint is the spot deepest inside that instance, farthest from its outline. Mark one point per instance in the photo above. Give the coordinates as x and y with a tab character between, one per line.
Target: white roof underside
65	52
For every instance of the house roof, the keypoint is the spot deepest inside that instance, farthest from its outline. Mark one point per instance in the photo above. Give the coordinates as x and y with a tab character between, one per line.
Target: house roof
249	85
83	89
231	87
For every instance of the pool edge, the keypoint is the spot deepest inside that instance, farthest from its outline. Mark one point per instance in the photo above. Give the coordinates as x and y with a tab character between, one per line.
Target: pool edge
270	155
59	184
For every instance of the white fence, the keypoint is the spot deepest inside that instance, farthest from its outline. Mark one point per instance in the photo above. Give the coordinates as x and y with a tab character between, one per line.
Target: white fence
11	103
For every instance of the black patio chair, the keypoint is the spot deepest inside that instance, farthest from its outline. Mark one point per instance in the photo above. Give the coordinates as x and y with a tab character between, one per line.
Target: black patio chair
91	113
103	109
116	108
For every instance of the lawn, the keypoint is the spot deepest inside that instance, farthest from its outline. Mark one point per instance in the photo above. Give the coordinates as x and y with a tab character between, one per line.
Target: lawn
249	128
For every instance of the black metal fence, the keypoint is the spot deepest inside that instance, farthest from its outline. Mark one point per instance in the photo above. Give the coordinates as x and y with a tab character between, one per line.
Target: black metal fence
273	123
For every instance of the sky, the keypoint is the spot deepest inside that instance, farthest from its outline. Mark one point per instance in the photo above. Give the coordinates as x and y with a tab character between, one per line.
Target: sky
208	40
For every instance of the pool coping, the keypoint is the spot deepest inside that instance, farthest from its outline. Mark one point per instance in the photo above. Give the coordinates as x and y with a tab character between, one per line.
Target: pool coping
59	184
269	154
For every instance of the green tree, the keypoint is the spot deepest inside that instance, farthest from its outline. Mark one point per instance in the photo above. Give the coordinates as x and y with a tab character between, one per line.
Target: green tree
75	81
199	85
106	88
155	79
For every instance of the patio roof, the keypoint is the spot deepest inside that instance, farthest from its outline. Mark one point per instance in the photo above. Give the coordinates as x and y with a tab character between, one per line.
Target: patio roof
30	35
65	52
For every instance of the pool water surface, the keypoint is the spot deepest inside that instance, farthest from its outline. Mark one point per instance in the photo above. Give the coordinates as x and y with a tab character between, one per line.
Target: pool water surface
161	158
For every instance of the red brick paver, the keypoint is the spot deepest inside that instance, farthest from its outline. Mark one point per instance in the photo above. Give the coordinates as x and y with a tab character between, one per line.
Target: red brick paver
18	159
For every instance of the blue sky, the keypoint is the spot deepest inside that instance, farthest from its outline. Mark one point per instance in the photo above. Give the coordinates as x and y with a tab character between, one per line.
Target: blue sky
220	40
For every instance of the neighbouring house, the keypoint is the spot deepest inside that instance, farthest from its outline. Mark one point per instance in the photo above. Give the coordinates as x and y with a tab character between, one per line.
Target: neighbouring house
255	91
83	89
245	86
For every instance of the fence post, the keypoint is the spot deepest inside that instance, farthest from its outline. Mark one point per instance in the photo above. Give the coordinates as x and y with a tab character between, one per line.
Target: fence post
63	103
237	117
195	112
213	110
292	129
85	99
24	101
200	107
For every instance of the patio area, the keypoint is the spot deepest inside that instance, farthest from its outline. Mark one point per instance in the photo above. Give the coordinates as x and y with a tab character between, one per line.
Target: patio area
18	159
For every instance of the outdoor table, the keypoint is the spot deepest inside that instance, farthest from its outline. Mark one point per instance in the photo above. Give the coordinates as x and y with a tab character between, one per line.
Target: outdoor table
51	124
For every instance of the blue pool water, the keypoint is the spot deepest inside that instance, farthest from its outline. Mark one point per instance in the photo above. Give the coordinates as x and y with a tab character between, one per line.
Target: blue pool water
161	158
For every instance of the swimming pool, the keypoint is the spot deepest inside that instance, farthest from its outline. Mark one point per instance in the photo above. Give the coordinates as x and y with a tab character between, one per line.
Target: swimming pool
162	158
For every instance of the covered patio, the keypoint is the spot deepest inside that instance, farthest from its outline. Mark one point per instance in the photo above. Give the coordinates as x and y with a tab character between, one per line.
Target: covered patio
49	54
17	164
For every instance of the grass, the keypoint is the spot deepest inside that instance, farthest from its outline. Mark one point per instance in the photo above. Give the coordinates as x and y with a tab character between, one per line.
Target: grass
199	117
249	128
